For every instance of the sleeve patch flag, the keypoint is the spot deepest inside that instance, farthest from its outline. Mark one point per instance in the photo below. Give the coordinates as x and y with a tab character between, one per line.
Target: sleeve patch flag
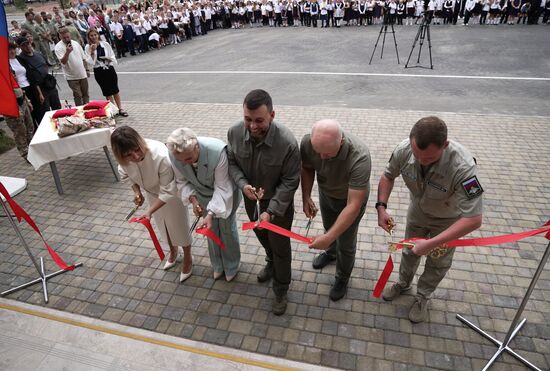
472	187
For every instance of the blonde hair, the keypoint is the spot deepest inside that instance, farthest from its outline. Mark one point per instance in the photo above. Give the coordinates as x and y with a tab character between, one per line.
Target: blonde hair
182	140
125	139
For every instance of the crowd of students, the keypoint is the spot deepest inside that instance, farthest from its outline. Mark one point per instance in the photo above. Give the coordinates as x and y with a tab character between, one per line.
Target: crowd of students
137	27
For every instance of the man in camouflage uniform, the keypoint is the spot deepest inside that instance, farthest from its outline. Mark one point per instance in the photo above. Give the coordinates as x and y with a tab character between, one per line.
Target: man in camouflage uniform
446	204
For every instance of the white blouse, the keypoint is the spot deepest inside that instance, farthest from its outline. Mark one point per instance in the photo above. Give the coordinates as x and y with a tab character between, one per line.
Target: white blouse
92	60
222	199
20	73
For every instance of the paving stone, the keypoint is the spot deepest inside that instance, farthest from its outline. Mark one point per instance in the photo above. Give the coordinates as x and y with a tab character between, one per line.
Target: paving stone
215	336
122	281
174	314
439	361
94	310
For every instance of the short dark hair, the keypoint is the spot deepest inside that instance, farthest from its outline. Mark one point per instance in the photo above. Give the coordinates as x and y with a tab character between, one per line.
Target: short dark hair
429	130
257	98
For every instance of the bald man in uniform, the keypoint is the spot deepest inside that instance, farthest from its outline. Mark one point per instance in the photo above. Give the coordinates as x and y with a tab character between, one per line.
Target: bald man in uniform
446	204
343	165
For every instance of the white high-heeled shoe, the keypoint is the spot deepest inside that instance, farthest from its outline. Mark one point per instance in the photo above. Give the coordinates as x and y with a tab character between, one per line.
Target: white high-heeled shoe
217	275
184	276
170	264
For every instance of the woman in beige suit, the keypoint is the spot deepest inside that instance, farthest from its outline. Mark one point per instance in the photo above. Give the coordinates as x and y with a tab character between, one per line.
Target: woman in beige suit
147	164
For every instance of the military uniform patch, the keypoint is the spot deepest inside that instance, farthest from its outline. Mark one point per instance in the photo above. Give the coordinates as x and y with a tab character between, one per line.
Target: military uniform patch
472	187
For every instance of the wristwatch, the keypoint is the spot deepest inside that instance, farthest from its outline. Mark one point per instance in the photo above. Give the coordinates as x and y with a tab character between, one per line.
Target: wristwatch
380	203
210	212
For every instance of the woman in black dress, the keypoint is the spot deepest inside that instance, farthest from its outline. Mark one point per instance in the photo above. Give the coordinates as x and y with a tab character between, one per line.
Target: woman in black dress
100	55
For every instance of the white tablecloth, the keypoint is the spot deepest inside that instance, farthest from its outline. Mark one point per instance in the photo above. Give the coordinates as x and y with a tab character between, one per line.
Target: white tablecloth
14	186
46	146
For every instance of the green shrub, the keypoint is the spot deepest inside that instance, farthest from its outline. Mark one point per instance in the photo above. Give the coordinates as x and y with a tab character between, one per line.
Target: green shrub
20	4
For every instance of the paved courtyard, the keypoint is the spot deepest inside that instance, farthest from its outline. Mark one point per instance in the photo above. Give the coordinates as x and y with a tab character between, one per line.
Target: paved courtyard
122	280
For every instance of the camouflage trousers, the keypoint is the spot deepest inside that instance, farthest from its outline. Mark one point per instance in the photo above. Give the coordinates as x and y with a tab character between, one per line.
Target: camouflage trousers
22	128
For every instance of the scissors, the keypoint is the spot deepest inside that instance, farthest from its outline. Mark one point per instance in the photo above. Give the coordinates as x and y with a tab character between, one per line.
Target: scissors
308	225
257	212
391	225
132	212
393	246
194	225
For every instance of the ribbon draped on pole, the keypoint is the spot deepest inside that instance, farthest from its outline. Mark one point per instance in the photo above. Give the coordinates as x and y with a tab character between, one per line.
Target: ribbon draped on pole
21	214
147	223
483	241
276	229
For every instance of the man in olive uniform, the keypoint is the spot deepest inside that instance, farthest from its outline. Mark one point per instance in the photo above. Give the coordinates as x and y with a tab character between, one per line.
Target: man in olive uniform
264	162
30	26
446	204
44	40
343	165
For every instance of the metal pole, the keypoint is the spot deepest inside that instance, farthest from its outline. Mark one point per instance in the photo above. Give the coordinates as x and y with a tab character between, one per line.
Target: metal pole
383	41
514	326
18	232
56	178
376	44
532	285
115	172
44	286
395	42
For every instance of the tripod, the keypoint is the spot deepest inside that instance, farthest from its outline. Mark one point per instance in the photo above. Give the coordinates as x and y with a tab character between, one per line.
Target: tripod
421	35
384	29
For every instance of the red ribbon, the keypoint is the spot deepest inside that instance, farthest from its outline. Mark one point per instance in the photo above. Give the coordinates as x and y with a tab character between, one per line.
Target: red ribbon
484	241
147	223
384	277
276	229
22	214
210	234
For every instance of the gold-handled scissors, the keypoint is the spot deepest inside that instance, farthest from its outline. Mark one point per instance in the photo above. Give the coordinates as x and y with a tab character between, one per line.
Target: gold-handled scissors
132	212
391	225
439	251
393	246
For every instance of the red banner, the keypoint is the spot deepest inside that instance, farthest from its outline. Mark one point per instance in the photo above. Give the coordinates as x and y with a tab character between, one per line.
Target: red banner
147	223
276	229
213	236
482	241
20	213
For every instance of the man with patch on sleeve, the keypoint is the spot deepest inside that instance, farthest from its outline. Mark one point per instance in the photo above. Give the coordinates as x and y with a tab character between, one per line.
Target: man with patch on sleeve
446	204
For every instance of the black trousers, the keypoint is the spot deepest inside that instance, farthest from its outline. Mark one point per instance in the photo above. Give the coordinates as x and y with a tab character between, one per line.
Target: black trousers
483	17
277	248
120	49
314	18
38	110
467	16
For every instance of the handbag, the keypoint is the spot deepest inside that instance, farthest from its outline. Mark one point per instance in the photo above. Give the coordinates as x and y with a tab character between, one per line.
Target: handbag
49	82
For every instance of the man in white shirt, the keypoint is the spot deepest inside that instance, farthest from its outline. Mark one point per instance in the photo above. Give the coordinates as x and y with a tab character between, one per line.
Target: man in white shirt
468	9
73	62
117	30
